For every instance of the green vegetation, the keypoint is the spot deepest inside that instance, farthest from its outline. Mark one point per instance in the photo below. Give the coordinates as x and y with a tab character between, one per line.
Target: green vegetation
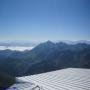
6	81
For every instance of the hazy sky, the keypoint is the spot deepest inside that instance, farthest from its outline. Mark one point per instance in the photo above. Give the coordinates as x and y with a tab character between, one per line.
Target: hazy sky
40	20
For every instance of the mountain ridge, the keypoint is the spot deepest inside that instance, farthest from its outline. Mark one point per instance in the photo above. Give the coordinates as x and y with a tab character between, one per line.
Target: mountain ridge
45	57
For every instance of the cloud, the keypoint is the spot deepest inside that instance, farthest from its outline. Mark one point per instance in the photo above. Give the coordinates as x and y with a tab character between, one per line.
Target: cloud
18	48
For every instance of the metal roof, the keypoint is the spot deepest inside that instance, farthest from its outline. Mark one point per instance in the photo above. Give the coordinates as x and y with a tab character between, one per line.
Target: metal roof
65	79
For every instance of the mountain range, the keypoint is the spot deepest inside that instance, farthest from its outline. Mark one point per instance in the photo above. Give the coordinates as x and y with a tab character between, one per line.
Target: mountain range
47	56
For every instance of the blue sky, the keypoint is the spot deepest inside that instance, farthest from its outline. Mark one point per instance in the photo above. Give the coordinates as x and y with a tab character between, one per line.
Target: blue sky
41	20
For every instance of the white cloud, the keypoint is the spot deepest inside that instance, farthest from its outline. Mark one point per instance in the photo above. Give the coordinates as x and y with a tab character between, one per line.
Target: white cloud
19	48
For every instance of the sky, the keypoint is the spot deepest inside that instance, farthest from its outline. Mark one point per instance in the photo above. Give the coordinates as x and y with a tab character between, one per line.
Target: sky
42	20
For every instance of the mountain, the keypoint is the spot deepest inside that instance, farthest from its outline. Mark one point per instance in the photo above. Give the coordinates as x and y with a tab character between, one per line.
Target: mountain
47	56
18	43
75	42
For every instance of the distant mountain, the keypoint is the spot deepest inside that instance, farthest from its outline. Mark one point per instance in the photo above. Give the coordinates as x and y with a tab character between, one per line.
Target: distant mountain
45	57
18	43
75	42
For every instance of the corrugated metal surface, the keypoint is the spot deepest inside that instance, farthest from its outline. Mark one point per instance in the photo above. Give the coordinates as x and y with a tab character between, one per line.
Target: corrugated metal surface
65	79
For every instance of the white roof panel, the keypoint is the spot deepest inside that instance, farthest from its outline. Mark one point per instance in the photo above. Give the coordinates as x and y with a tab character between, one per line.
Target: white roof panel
65	79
